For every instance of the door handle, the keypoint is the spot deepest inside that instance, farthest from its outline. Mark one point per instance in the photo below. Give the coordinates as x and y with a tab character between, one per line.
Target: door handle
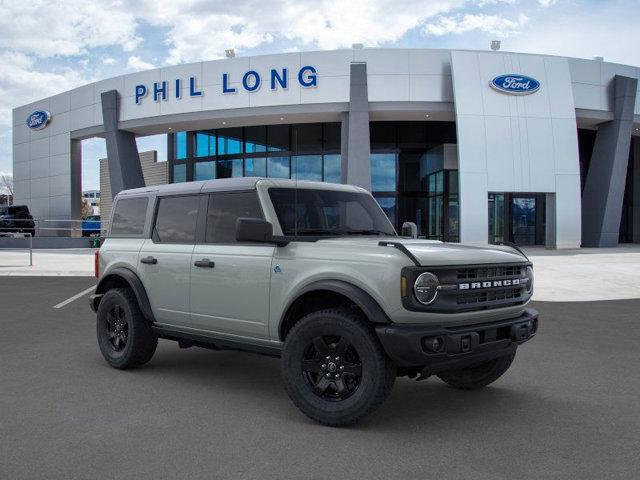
149	260
204	263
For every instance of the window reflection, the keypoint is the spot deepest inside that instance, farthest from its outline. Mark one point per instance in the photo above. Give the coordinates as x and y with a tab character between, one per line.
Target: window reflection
204	171
229	141
205	144
307	167
383	172
180	146
229	168
180	173
255	139
261	150
332	168
278	167
255	167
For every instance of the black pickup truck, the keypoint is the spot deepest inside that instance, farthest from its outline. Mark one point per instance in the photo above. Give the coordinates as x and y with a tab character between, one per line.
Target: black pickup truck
17	219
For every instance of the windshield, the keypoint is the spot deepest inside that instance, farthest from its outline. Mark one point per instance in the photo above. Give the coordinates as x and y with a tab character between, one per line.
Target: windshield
328	212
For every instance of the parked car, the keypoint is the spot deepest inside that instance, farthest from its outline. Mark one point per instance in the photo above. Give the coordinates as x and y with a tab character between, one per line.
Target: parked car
17	219
313	273
91	225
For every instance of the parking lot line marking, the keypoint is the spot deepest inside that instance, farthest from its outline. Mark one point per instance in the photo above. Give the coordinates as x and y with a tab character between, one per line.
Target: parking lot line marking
75	297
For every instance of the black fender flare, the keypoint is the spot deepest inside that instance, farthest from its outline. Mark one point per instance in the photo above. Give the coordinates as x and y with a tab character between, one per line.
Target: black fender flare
134	283
369	306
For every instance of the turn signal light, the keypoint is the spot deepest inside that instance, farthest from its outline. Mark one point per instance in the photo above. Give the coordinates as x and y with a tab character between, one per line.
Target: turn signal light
403	286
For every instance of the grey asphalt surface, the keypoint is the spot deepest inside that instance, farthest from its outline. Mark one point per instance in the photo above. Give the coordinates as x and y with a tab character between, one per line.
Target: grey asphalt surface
568	408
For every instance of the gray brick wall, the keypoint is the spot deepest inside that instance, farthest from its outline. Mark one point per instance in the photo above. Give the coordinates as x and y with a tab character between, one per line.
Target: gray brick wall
154	172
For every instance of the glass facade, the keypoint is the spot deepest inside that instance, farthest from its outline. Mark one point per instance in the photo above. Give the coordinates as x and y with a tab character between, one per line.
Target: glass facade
410	179
308	151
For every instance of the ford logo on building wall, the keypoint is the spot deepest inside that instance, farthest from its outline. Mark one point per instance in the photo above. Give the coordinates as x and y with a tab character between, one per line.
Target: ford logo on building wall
515	84
38	119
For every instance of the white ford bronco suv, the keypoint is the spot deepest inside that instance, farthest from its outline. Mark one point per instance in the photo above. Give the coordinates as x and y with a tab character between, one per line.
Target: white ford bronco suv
313	273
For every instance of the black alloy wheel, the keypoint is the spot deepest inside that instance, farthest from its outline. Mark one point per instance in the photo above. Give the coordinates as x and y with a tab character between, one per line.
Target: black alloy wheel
332	367
117	327
126	339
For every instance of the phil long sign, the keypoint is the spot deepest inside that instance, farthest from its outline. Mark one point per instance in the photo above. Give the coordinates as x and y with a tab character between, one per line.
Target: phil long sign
250	81
515	84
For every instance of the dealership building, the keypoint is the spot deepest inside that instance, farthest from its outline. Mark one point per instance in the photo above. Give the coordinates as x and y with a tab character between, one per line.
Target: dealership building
473	146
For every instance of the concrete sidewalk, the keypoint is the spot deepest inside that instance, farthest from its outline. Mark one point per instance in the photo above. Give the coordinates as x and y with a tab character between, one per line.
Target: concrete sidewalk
62	262
586	274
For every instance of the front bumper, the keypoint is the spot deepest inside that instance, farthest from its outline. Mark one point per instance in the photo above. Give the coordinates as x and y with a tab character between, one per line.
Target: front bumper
456	347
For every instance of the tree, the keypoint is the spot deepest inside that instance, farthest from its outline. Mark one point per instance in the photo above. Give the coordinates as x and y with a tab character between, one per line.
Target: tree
6	186
86	208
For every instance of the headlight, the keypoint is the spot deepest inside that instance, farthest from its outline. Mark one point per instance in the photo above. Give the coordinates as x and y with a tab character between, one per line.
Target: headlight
530	280
426	288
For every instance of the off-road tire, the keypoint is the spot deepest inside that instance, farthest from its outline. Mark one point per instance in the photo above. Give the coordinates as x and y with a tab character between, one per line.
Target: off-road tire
141	341
377	371
477	376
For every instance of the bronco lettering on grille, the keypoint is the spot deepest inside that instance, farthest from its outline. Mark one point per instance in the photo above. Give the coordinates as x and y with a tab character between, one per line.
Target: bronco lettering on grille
489	284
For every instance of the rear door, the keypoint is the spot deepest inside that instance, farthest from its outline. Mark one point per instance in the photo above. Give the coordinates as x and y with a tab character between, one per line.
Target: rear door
164	263
230	280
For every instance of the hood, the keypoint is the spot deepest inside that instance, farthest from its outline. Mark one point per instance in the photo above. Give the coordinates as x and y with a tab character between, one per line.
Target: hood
433	252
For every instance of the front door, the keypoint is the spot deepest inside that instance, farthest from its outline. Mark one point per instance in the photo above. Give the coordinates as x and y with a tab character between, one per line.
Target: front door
230	280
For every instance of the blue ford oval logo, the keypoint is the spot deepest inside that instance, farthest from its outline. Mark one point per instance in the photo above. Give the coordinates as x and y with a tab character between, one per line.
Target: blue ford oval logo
38	119
515	84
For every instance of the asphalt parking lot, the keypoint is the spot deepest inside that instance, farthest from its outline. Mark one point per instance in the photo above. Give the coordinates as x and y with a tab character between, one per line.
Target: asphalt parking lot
568	408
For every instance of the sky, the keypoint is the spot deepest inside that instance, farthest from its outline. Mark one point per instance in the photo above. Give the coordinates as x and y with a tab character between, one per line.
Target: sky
47	47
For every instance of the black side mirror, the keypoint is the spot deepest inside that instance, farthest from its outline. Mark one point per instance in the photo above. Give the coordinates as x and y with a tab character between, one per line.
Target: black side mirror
253	230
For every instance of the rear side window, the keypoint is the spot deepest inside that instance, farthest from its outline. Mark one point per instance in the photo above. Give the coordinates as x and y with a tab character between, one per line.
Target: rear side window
128	216
224	210
176	219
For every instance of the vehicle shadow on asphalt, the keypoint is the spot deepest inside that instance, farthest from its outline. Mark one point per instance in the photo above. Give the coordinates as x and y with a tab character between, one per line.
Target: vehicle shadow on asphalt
256	379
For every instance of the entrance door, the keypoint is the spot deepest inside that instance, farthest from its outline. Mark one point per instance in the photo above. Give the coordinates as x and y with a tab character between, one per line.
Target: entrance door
523	219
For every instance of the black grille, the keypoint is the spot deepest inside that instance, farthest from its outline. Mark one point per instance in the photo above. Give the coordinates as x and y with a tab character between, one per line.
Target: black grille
472	287
469	298
480	273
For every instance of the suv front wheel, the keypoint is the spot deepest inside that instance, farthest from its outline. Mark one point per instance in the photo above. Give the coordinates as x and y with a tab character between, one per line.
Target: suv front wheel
125	337
334	368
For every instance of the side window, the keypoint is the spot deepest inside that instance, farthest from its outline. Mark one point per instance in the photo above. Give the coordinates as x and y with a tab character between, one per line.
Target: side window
176	219
224	210
129	216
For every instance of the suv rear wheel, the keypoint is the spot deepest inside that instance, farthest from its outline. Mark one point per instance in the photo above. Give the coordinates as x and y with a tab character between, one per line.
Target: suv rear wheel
125	337
478	376
334	368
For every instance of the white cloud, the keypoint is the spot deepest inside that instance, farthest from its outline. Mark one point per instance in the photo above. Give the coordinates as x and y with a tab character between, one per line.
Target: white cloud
200	31
491	24
547	3
587	37
20	83
45	28
135	63
108	61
